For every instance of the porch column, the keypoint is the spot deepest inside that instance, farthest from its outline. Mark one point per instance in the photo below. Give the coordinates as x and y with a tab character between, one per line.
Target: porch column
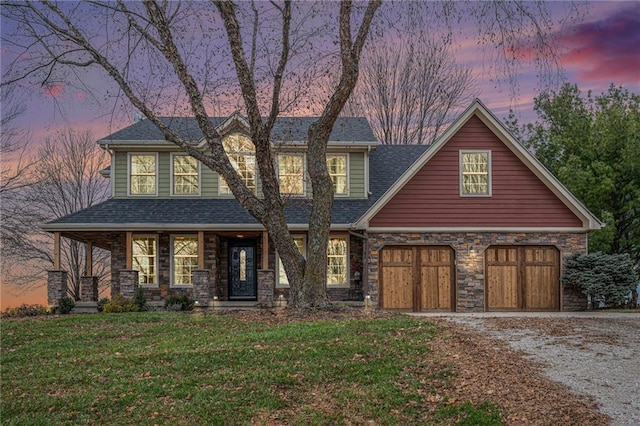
56	251
200	249
89	289
266	284
201	291
89	265
265	250
128	283
56	286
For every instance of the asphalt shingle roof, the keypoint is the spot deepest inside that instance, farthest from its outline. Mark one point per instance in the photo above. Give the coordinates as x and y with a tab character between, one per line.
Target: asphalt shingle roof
345	129
387	163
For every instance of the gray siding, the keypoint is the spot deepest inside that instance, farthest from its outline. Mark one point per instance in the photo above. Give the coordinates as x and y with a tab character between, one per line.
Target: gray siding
356	175
209	179
119	174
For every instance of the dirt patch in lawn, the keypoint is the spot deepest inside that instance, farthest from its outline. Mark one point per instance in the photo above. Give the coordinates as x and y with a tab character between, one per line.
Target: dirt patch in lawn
485	369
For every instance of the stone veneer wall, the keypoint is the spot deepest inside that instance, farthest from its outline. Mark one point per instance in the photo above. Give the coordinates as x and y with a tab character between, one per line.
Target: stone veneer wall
469	251
266	286
56	286
89	288
201	287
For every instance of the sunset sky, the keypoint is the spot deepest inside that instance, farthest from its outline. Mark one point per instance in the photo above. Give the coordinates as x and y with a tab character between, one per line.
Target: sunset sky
601	49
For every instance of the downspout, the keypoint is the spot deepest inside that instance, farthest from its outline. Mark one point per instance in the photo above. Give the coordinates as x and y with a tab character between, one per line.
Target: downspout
111	171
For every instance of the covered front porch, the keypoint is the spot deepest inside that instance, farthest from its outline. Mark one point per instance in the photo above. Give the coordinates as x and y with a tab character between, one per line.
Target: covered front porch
216	268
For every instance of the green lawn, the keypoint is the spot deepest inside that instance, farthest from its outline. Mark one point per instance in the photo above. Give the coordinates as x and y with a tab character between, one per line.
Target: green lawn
173	368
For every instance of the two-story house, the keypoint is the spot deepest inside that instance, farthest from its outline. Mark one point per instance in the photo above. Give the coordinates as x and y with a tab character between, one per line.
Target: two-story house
472	222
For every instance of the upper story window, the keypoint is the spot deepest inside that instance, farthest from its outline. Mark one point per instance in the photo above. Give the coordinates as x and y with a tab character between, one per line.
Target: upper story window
242	154
337	165
142	177
184	259
475	173
291	173
144	255
185	175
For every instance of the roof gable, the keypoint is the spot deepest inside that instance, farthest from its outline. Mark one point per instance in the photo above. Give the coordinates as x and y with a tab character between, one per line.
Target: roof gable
477	109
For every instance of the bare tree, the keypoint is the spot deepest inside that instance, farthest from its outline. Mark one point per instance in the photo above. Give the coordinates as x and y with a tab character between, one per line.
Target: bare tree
195	57
153	38
66	180
410	87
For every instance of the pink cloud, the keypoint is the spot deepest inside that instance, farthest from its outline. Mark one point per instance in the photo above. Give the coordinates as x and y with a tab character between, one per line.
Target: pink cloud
605	49
53	90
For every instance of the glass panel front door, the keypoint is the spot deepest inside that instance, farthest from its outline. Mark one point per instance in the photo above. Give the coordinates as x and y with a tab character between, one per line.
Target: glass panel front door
242	270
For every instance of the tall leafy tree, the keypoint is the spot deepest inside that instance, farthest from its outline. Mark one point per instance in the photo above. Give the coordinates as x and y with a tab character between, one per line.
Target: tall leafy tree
590	142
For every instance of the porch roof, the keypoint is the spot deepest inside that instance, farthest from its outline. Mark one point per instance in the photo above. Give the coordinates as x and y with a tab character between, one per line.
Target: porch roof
387	163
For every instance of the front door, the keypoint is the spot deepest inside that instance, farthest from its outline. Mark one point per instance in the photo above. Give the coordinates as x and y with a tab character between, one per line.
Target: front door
242	270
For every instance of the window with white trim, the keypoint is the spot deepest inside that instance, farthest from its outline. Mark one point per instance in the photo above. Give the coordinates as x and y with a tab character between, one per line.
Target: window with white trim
186	179
475	173
291	174
144	252
242	154
184	259
337	166
142	174
337	261
300	242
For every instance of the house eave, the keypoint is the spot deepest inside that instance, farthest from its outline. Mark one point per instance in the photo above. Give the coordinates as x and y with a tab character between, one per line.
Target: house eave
544	229
147	227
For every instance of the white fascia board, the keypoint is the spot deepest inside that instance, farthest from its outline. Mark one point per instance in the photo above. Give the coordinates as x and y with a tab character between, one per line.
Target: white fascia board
589	219
473	229
99	227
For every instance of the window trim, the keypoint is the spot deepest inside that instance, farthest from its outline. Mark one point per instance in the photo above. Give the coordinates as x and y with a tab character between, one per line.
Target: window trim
303	176
347	283
172	283
461	155
198	171
221	180
129	167
347	174
280	284
157	265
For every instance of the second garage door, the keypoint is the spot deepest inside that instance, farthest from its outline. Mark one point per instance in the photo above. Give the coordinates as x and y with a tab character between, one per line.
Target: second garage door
417	278
522	278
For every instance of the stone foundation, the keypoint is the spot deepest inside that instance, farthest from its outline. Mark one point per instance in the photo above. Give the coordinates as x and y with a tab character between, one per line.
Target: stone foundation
201	287
89	289
56	286
128	280
266	285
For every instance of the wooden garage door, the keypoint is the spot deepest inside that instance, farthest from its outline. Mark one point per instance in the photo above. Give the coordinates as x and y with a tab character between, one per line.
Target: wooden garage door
523	278
417	278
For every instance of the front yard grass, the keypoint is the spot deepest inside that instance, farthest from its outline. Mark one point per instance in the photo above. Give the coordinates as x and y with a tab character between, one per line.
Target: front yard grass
173	368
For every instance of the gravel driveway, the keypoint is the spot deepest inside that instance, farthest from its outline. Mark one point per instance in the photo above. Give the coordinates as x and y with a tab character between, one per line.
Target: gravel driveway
597	354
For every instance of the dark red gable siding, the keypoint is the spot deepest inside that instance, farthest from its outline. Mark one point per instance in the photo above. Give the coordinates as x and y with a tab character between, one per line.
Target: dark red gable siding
432	197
